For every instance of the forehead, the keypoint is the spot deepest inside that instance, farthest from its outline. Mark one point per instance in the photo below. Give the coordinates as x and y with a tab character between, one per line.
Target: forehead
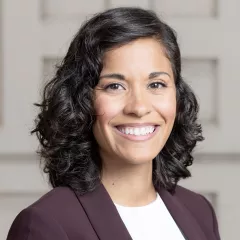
146	54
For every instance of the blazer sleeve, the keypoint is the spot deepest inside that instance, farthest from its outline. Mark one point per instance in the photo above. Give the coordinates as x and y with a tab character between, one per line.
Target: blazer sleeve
214	220
33	224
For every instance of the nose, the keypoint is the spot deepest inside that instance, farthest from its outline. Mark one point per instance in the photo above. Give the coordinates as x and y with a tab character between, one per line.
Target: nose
137	104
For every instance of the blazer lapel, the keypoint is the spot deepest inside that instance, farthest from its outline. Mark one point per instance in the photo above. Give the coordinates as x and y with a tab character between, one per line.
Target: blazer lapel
108	224
103	215
186	222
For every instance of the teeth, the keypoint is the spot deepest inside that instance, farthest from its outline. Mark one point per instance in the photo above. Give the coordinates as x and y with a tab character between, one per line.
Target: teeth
138	131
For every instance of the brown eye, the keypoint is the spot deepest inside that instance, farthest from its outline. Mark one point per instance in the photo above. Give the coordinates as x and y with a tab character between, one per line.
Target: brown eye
157	85
114	86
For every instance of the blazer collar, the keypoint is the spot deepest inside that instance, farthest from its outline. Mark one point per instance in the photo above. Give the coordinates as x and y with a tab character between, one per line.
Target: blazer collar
184	219
108	224
103	215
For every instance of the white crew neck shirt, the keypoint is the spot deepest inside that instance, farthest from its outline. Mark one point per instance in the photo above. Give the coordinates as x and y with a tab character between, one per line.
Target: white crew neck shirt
150	222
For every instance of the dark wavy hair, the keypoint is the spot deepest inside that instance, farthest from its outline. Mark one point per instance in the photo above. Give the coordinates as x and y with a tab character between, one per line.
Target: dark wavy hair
68	149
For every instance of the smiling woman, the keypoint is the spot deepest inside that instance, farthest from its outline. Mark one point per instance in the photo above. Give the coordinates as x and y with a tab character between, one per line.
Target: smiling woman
117	126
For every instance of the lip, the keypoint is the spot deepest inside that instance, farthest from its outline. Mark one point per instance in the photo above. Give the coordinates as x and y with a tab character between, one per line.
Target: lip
138	138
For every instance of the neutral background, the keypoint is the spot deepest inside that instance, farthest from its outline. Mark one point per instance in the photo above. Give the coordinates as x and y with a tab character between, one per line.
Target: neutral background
35	34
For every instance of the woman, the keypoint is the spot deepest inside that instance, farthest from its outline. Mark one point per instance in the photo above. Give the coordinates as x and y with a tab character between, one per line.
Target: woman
117	127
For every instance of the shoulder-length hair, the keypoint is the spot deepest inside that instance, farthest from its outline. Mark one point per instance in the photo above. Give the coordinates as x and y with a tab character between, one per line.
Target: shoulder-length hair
64	125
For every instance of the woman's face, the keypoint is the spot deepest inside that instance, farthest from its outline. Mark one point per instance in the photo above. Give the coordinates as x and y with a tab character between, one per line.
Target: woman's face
135	102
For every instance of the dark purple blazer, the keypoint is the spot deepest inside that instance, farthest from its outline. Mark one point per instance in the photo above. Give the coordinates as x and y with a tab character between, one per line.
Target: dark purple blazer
62	214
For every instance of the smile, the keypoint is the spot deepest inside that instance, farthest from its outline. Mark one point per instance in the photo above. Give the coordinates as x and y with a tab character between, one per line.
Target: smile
139	133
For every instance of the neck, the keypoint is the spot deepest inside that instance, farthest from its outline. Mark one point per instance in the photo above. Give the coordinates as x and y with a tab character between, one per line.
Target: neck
129	185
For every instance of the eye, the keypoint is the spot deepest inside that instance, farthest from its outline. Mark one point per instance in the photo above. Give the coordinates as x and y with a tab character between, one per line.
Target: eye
157	85
114	86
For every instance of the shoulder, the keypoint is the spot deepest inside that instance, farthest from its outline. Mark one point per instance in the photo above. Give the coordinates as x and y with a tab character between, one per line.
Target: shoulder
192	200
199	207
60	203
32	223
56	199
50	215
195	202
190	197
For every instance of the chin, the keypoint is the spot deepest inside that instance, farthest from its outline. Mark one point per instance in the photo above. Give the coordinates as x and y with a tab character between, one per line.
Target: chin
140	158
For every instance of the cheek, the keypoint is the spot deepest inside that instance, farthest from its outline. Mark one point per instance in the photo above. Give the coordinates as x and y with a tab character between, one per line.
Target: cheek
167	108
106	110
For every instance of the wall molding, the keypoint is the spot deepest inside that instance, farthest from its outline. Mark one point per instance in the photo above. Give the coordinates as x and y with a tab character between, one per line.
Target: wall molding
21	194
217	157
199	157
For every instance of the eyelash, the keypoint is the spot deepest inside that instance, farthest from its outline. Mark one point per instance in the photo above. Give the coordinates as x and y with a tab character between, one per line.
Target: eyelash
159	83
112	84
151	84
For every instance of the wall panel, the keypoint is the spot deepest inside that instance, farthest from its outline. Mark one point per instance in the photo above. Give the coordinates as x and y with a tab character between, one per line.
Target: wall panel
187	8
201	74
70	9
133	3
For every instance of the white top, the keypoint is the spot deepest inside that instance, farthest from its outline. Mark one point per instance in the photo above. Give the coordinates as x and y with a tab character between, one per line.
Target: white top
150	222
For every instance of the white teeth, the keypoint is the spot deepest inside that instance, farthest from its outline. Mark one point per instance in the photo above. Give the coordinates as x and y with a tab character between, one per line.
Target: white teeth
138	131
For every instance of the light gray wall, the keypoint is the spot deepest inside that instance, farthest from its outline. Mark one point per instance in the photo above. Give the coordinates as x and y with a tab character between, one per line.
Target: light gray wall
34	34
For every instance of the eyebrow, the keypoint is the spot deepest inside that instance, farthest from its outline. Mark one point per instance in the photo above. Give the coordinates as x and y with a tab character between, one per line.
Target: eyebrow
121	77
157	74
